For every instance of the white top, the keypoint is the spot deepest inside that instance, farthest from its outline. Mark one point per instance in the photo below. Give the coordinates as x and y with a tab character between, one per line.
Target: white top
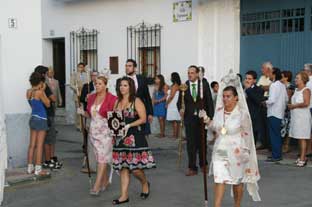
172	110
277	101
264	81
309	85
134	78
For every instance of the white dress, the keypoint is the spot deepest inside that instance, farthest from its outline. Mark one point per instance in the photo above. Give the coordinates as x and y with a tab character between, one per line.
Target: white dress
300	118
172	110
231	152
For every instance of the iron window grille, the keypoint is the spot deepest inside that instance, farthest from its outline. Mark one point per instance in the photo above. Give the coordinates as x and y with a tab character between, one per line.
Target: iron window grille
144	46
83	48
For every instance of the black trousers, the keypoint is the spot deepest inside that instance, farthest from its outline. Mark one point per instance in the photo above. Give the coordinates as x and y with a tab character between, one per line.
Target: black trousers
194	142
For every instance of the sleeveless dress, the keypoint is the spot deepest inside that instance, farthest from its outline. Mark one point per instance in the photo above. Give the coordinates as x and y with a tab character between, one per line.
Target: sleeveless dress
100	136
132	151
172	110
300	118
159	108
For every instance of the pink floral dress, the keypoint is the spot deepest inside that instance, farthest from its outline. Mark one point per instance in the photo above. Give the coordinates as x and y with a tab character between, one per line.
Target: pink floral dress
132	151
100	136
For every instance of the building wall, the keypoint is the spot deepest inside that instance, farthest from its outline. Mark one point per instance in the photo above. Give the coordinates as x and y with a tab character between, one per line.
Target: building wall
219	37
21	51
211	39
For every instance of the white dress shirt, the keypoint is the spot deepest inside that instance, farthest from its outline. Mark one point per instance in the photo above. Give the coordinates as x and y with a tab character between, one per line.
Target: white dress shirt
134	78
277	101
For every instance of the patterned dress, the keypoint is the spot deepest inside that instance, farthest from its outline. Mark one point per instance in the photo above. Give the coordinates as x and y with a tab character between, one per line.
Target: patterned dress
231	157
100	136
132	151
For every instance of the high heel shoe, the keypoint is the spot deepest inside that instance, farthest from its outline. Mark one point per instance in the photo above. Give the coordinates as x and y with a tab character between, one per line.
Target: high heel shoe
104	188
118	202
144	196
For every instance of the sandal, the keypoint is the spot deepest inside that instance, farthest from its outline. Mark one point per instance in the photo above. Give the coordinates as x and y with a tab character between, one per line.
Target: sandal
40	172
302	163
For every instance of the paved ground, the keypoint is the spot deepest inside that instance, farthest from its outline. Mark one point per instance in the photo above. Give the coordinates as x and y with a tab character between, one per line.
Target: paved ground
280	186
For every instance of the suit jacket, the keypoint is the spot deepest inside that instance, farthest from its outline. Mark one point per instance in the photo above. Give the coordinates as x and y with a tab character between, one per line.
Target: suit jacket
142	93
55	89
84	93
191	106
255	96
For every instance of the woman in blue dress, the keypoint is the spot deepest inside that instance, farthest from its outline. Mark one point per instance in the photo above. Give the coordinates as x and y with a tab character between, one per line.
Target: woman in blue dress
159	102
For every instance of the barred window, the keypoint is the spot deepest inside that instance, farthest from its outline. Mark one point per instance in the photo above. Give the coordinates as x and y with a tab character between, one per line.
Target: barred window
270	22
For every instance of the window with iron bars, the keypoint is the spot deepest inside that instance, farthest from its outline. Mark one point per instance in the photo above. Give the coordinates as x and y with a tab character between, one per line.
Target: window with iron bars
144	46
270	22
83	48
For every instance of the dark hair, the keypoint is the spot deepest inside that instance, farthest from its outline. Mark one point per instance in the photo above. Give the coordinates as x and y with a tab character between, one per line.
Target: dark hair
287	74
131	89
162	82
252	73
133	62
277	73
35	79
81	63
213	84
240	77
231	88
42	70
195	67
175	78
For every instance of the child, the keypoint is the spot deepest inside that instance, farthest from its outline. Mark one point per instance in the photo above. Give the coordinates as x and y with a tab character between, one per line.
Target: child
38	123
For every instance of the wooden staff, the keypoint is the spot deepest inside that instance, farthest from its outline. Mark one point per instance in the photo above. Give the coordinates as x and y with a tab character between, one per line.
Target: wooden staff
183	88
84	134
203	141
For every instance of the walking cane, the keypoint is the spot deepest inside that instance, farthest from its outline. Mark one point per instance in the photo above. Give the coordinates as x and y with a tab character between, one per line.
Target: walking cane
183	88
85	136
203	141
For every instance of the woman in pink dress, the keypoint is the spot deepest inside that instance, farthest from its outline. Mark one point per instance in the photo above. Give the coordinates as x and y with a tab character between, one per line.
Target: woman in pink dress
98	105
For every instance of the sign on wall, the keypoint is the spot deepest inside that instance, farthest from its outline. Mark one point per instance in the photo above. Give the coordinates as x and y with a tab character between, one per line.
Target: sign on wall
12	23
182	11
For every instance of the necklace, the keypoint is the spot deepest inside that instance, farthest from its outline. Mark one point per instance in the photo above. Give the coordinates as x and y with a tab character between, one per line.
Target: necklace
223	129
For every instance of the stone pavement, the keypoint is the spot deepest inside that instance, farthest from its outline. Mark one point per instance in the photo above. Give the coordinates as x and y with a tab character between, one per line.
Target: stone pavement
282	185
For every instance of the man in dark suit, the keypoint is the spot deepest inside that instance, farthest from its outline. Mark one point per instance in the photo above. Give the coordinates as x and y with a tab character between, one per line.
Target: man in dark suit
254	96
88	88
142	90
193	104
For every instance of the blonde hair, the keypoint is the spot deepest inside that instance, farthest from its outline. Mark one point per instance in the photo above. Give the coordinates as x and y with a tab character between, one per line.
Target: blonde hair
102	78
304	77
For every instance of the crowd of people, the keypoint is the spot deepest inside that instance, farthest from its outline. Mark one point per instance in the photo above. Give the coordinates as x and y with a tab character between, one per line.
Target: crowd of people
239	117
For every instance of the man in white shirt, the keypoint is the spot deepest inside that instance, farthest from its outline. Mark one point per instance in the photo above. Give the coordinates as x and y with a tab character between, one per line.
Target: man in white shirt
308	70
276	105
264	81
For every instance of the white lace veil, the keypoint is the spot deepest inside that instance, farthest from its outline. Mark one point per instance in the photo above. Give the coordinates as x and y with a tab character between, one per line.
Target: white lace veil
252	175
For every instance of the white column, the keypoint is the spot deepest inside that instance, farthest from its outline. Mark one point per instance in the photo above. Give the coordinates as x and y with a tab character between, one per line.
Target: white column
3	145
219	37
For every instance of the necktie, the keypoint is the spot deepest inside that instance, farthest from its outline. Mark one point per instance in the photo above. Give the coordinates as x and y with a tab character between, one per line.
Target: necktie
194	91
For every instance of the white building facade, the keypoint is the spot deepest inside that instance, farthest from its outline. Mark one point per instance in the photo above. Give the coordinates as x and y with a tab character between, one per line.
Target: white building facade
209	37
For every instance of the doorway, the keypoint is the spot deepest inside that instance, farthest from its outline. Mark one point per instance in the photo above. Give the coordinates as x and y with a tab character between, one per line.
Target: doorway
59	64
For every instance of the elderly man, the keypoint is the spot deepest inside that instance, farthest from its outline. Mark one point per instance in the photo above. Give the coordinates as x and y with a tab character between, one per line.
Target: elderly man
54	86
264	82
308	70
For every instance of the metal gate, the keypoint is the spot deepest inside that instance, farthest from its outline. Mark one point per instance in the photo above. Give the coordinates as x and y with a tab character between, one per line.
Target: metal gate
278	31
83	48
144	46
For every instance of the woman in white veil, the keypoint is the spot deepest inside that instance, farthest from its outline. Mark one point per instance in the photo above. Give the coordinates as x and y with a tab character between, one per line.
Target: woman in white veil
234	159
